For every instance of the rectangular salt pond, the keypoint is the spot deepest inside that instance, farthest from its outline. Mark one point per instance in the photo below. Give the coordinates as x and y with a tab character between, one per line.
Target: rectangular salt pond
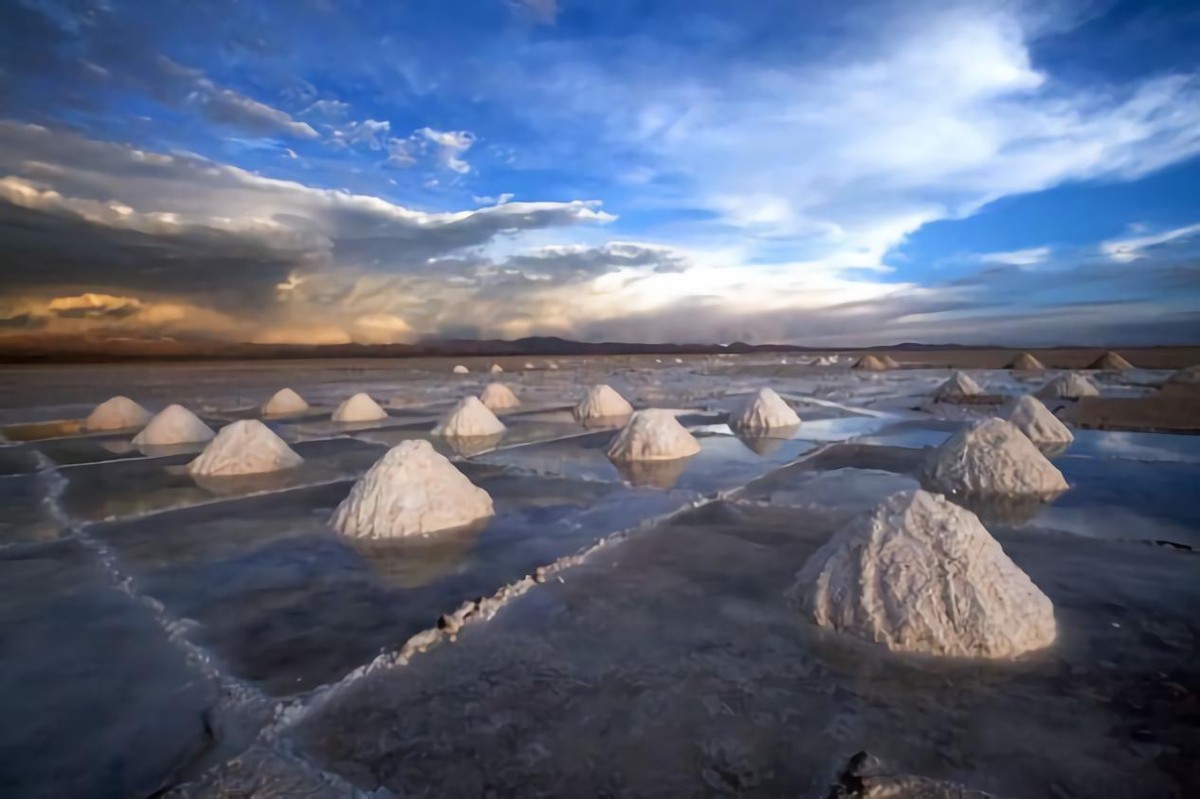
286	603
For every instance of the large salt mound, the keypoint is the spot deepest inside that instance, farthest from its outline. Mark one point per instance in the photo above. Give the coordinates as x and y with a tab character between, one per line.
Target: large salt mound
174	424
117	413
1069	386
1038	424
460	370
245	447
653	435
285	403
1190	374
870	363
992	457
468	419
763	410
602	402
1025	363
359	408
498	396
410	491
1110	362
921	574
959	385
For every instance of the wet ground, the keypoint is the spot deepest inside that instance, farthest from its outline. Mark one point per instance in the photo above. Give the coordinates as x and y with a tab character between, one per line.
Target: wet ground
611	631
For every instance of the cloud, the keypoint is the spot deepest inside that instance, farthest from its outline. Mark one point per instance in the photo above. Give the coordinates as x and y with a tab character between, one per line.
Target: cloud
1026	257
544	12
1137	248
450	145
372	133
328	109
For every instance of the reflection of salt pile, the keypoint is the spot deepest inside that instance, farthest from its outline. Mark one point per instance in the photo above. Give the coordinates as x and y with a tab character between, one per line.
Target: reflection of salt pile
1025	363
117	413
1110	362
992	457
174	424
460	370
602	402
763	410
469	418
920	574
653	435
496	369
1190	374
285	403
245	447
1069	386
409	491
359	408
1038	424
958	386
870	363
498	396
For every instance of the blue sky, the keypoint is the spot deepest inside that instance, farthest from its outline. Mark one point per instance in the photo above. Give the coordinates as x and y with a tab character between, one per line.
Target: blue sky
321	171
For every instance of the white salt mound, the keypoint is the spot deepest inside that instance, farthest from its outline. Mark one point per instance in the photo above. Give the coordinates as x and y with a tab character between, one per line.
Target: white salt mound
117	413
411	490
602	402
498	396
959	385
870	363
245	447
763	410
1110	362
1025	363
1038	424
653	435
992	457
359	408
921	574
528	365
174	424
285	403
1069	386
496	369
460	370
469	418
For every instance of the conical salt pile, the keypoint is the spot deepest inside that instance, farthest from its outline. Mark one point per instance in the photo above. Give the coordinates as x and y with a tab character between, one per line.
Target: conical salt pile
921	574
827	360
890	362
498	396
1110	362
469	418
551	365
653	435
359	408
1040	426
959	385
528	365
496	369
285	403
992	457
602	402
1190	374
460	370
1069	386
410	491
174	424
763	410
117	413
245	447
870	363
1025	363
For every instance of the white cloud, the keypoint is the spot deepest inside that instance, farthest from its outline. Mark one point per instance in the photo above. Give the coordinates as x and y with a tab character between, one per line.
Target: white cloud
450	145
1026	257
328	109
372	133
1134	249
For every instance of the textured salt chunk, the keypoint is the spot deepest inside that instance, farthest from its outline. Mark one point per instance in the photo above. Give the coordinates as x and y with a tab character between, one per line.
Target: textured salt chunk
1069	386
174	424
1025	363
117	413
460	370
411	490
468	419
245	447
763	410
359	408
959	385
992	457
1110	362
498	396
870	363
653	435
602	402
496	369
1038	424
921	574
285	402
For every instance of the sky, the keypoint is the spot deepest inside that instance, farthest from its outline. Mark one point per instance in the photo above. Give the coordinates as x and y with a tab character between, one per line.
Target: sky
819	173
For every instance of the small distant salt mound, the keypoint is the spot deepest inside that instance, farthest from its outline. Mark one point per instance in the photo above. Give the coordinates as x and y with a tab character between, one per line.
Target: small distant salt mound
117	413
460	370
174	424
992	457
653	435
496	369
359	408
1038	424
245	447
679	360
870	363
1188	375
921	574
411	490
285	403
551	365
602	402
528	365
959	385
498	396
1069	386
763	410
827	360
1110	362
1025	363
468	419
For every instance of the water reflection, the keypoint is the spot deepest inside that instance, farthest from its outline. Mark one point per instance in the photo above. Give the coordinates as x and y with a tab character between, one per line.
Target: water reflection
652	474
415	561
